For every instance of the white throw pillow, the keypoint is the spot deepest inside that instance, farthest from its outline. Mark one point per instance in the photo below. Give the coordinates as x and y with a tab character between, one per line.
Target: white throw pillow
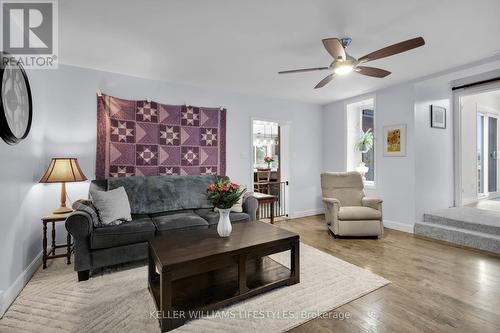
112	205
237	207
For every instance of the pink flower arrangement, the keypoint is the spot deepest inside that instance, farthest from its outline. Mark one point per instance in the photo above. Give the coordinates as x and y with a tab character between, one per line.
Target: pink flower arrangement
223	194
268	160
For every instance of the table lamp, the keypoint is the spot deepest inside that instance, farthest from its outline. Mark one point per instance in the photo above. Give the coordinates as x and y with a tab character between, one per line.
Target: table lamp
63	170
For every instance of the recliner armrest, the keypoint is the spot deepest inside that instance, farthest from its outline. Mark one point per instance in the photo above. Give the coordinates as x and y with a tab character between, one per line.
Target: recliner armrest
332	207
374	203
331	201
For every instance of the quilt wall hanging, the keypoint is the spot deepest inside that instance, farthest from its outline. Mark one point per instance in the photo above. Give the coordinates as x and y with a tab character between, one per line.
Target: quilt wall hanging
145	138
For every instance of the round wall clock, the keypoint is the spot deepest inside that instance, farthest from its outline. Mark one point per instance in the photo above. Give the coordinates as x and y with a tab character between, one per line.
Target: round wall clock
16	109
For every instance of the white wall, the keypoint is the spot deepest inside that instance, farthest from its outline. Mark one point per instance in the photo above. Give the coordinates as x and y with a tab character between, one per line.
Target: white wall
468	130
433	149
434	160
394	175
395	181
65	125
21	205
335	137
353	129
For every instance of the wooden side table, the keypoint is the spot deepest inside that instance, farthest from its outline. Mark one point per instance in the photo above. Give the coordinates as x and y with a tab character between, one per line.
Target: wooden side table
265	199
51	253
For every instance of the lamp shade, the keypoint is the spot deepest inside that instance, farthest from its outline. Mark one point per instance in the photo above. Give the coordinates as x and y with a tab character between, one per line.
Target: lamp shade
63	170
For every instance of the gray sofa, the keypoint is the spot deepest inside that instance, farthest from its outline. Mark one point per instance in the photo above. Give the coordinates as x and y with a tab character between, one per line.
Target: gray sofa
158	204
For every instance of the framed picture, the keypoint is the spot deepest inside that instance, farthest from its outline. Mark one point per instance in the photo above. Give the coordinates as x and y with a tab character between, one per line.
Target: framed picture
438	116
395	140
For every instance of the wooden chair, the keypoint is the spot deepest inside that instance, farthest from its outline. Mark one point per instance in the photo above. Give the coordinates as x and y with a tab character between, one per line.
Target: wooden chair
262	183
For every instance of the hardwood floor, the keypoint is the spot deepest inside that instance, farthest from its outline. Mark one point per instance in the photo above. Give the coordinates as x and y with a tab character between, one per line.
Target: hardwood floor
435	287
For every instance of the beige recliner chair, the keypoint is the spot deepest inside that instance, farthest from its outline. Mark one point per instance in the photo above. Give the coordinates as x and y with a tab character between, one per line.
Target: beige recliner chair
348	212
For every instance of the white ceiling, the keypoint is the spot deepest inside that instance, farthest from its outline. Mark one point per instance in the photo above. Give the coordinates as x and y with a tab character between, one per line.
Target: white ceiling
240	45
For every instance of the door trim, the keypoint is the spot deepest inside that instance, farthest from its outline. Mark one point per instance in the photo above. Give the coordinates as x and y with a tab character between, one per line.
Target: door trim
457	133
285	156
489	112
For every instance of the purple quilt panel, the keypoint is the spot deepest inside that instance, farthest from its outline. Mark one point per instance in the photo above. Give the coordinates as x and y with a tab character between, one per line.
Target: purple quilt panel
145	138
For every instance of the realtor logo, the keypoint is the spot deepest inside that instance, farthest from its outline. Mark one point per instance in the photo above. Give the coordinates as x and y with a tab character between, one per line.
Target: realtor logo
29	32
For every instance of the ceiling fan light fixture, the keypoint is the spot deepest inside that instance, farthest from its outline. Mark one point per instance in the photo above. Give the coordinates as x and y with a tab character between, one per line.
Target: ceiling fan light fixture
343	69
343	63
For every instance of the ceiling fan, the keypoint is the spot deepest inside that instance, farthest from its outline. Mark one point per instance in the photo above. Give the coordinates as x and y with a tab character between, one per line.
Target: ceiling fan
344	63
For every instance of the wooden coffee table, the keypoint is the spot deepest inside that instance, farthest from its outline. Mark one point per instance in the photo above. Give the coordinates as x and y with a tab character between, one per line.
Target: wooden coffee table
193	271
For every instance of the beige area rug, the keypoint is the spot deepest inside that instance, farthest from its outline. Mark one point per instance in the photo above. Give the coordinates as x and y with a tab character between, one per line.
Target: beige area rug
120	302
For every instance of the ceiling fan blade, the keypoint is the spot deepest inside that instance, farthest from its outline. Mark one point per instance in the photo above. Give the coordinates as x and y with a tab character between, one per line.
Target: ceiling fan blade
372	71
323	82
304	70
335	48
394	49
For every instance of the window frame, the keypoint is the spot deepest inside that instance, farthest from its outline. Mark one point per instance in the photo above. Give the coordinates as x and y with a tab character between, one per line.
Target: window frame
368	184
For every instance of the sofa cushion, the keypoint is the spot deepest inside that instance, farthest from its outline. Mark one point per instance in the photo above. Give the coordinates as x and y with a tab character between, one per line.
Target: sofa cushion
353	213
136	189
213	217
156	194
140	229
148	195
162	195
177	220
347	187
360	228
192	190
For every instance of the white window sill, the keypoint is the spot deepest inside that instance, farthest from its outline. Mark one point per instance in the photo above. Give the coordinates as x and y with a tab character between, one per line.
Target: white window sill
370	185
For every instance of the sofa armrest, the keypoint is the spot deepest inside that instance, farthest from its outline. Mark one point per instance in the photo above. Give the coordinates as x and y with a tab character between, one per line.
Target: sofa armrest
250	206
374	203
79	224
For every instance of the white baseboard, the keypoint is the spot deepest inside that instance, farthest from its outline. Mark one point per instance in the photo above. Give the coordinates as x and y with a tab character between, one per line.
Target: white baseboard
8	296
304	213
468	201
404	227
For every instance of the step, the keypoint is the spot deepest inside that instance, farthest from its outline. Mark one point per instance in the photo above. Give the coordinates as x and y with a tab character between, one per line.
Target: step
464	237
480	220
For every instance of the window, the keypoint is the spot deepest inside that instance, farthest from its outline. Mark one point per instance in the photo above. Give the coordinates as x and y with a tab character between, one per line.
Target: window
360	139
368	157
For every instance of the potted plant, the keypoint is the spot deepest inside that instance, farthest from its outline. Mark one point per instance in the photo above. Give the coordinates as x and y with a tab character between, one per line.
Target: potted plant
364	145
268	160
365	142
224	194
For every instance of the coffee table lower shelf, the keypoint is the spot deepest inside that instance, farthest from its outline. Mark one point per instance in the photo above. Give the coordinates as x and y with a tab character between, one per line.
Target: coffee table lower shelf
194	295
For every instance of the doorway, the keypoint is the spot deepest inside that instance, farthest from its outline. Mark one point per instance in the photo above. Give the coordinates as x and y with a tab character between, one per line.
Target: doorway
270	168
477	175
